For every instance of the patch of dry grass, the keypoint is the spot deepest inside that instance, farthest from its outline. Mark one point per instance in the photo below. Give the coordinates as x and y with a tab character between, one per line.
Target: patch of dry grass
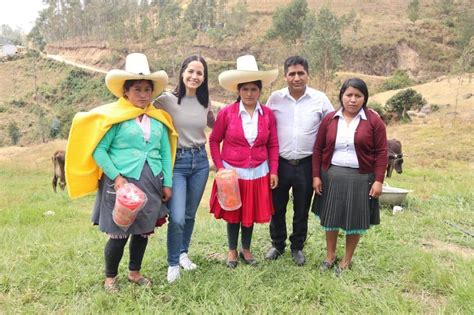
443	91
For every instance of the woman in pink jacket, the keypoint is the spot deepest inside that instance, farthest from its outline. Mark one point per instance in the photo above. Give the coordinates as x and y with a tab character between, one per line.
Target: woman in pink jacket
247	131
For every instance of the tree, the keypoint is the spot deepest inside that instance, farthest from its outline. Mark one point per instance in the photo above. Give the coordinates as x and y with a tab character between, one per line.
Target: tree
14	132
169	19
323	45
404	101
398	80
413	10
36	38
288	21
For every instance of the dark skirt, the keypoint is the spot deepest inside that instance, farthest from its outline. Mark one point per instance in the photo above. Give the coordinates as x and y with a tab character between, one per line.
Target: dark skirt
146	219
345	203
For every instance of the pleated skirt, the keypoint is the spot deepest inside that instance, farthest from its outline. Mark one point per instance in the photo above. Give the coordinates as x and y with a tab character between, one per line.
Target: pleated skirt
345	202
256	196
153	213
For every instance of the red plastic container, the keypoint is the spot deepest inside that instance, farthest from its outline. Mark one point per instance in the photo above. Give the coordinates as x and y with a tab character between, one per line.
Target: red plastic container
128	202
228	192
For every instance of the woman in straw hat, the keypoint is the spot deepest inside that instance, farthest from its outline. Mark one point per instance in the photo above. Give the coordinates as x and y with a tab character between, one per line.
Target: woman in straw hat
129	141
247	131
189	106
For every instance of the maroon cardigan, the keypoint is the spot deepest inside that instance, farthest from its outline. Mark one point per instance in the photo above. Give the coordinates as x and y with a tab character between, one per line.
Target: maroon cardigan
235	149
370	141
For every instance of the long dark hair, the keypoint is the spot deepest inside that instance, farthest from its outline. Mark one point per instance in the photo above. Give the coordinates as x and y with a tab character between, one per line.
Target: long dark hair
356	83
258	83
202	92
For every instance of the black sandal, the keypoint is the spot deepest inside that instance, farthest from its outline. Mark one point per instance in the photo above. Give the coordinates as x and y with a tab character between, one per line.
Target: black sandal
325	265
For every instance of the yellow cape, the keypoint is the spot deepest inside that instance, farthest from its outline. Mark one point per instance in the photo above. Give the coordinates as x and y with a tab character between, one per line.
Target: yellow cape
88	128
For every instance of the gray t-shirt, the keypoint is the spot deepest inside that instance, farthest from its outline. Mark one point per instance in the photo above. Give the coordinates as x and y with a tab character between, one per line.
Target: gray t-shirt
190	118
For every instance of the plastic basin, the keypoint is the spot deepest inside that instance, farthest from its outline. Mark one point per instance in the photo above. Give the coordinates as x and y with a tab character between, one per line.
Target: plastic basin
393	196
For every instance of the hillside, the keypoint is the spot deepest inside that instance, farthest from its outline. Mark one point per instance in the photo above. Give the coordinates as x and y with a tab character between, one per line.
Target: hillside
378	39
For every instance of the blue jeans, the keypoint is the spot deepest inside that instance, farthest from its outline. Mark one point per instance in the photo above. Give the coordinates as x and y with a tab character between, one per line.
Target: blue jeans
190	174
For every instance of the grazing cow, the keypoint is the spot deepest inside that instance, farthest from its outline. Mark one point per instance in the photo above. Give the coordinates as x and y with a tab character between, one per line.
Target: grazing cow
395	156
58	163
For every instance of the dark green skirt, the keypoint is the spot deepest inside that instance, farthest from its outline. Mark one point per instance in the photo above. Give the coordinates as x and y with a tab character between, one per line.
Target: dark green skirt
345	202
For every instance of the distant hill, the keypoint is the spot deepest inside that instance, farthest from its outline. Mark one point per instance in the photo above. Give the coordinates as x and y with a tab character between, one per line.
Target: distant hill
378	37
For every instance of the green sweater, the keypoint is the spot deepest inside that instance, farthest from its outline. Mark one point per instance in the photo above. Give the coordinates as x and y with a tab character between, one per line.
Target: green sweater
123	150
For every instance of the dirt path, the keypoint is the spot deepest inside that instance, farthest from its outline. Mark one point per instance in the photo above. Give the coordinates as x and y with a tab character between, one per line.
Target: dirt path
73	63
95	69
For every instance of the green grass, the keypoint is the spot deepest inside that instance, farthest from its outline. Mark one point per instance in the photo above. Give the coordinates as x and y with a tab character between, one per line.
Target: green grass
412	263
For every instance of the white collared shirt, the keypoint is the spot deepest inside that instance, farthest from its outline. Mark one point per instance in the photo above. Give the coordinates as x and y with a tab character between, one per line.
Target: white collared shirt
250	124
344	150
298	120
144	126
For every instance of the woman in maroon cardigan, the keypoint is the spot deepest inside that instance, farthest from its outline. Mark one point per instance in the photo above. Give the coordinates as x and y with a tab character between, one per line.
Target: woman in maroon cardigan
349	161
247	130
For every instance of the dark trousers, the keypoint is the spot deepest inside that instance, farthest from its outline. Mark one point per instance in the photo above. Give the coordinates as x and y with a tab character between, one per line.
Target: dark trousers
299	178
113	253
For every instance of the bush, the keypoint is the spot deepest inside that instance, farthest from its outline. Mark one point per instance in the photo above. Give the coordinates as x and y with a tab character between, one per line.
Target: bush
434	107
398	80
14	132
404	101
18	103
378	108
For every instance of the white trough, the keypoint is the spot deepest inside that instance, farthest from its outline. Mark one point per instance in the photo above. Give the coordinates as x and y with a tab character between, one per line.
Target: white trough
393	196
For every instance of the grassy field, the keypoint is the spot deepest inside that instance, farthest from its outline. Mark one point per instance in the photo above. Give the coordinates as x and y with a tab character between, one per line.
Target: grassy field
414	262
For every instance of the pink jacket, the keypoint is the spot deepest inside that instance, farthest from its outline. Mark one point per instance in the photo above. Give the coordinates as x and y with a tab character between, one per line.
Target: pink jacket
235	149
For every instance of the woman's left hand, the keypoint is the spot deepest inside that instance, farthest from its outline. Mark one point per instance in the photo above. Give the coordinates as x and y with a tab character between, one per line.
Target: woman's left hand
273	181
166	191
375	190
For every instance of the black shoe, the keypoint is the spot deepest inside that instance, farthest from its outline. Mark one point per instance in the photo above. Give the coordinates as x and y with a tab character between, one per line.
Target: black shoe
232	264
325	265
273	254
251	261
339	270
298	257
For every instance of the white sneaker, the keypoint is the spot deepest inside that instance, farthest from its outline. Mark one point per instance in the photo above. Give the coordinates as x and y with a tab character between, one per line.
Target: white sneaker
186	263
173	274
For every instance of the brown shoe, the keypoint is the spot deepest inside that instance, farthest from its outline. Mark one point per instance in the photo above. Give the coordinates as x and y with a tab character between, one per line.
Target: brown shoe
142	281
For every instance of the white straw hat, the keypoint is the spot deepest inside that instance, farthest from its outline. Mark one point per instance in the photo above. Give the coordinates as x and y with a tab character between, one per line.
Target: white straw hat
247	71
136	68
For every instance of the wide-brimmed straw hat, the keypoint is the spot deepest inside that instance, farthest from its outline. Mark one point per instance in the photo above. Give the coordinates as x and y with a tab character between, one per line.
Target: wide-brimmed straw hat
247	71
136	68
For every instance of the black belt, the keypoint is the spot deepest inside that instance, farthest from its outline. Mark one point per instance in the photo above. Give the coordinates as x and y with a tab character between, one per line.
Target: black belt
297	162
192	149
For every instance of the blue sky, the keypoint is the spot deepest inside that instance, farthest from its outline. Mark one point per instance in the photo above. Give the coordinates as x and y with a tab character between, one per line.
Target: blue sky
20	13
